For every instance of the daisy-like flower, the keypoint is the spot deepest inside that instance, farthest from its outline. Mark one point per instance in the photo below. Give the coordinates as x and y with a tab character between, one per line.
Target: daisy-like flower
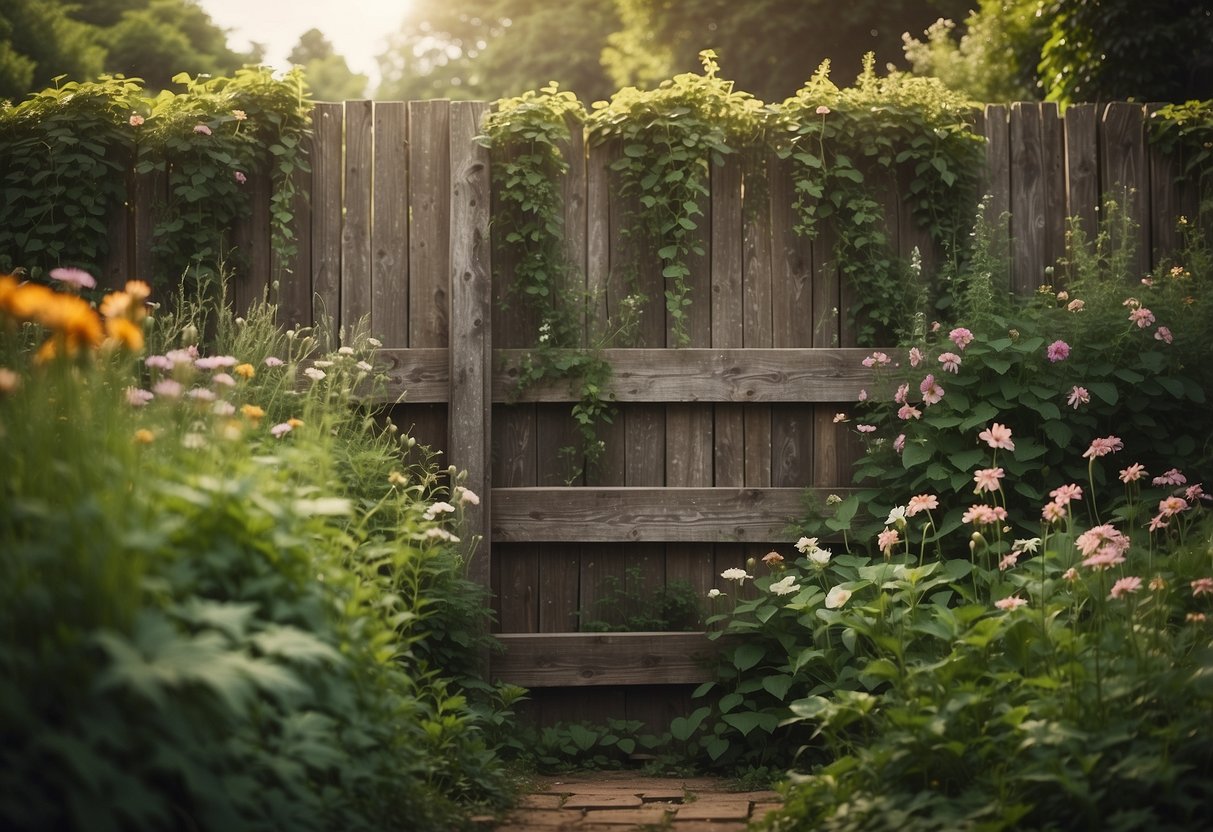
915	356
374	342
1125	586
1011	602
1158	583
222	408
921	502
823	110
1030	544
466	496
1157	522
887	539
245	371
364	366
1172	477
143	436
714	593
930	389
961	337
950	362
1172	506
837	597
314	374
983	515
736	574
997	436
806	545
138	397
1008	560
214	362
903	391
1097	537
1065	494
1058	351
820	557
78	278
223	379
877	359
1196	492
897	517
839	417
785	586
239	115
863	395
987	479
322	364
201	394
1078	396
1133	473
1142	317
865	428
1196	618
1053	513
280	430
1102	446
436	533
397	478
1202	586
439	507
273	361
168	388
1070	575
1163	334
907	412
772	559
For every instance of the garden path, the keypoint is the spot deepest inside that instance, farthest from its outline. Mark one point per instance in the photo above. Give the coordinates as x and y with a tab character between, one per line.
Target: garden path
625	801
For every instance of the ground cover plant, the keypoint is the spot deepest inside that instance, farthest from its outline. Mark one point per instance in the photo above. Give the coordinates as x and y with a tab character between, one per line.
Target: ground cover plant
1008	626
231	599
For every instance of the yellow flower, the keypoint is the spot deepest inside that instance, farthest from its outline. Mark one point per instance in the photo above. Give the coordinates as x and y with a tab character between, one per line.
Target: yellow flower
252	412
244	370
294	423
144	436
126	334
116	305
397	478
239	115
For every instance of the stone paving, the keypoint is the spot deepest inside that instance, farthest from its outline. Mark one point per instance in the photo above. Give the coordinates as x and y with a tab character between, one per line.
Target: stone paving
623	802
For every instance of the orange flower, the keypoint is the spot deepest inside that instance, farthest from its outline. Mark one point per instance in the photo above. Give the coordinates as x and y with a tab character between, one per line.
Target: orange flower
138	290
116	305
252	412
295	423
9	381
126	334
144	436
244	370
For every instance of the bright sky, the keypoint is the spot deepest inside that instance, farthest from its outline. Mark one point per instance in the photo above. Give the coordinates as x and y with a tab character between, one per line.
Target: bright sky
356	28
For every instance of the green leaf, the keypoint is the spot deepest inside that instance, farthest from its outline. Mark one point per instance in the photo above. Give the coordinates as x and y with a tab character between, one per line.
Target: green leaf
777	685
1104	390
747	721
748	655
915	453
683	727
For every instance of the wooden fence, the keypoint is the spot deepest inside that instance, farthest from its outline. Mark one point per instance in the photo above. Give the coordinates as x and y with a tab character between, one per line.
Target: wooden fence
707	461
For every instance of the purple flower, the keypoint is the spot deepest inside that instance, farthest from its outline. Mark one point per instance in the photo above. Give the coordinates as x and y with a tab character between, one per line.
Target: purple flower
1058	351
203	129
74	277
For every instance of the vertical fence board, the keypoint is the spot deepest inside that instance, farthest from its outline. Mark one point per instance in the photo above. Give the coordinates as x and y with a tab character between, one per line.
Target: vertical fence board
1124	173
575	203
559	564
728	324
328	126
470	435
1028	198
1082	167
756	306
1053	170
294	275
515	567
150	192
429	204
390	226
1166	200
120	236
253	243
996	181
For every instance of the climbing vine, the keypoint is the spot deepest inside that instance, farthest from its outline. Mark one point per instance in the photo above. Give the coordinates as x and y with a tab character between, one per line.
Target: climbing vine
1185	131
669	136
71	154
897	134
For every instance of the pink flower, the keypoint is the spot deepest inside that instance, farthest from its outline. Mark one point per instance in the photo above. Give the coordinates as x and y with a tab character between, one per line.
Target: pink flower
214	362
1172	506
135	120
224	379
1156	523
1078	396
1196	492
935	325
1065	494
1125	586
823	110
1070	575
961	337
908	412
930	389
137	397
899	444
921	502
240	177
997	436
1008	560
1102	446
863	395
915	356
1104	559
1099	537
838	417
876	358
74	277
201	394
887	539
273	361
167	388
1196	618
982	515
1076	305
1053	512
1133	473
1011	602
900	396
987	479
281	430
865	428
950	362
1142	317
203	129
1058	351
1202	586
1172	477
1163	334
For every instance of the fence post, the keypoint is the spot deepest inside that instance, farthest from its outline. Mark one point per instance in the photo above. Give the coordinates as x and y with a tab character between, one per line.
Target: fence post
470	419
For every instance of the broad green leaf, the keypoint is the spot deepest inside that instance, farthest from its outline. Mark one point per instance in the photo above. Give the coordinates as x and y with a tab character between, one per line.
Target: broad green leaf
748	655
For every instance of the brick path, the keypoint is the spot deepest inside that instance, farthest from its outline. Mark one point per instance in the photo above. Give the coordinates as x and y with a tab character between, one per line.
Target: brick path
623	802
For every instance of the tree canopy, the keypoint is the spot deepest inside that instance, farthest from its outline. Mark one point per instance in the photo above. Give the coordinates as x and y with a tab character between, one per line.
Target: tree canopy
328	75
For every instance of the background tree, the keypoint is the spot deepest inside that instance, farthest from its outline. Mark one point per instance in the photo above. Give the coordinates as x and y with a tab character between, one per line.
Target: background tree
38	41
488	49
769	47
328	75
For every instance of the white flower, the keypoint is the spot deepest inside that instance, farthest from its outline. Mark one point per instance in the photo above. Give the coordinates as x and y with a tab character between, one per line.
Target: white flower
193	440
346	351
837	597
321	363
714	593
820	556
466	495
735	574
786	586
1029	545
438	508
362	365
436	533
897	516
374	342
806	545
314	374
223	408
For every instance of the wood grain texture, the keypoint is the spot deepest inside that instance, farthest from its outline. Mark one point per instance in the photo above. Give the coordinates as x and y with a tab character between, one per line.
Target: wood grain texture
583	659
328	134
646	515
429	222
1053	174
390	226
1028	198
294	275
1124	172
1082	167
996	182
358	166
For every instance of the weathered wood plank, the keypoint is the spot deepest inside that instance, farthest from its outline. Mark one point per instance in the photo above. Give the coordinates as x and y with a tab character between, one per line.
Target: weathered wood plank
390	226
429	229
1028	198
358	165
1053	172
574	199
728	321
294	275
515	567
120	237
149	195
581	659
1082	167
1125	174
997	180
469	444
558	463
646	515
253	279
1166	201
328	128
